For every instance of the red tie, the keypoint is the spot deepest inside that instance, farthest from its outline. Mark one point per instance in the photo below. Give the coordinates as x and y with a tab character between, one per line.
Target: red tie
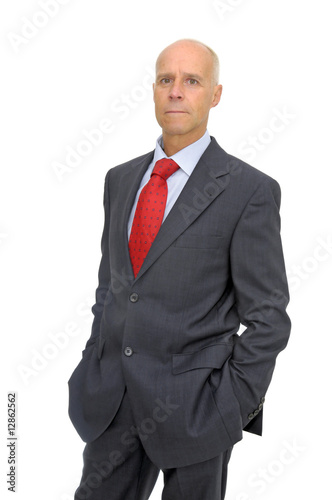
149	212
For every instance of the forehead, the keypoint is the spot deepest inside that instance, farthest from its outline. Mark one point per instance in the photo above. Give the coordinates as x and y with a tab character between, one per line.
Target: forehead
185	58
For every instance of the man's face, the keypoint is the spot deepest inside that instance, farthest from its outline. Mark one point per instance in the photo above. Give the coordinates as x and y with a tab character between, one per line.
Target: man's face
184	91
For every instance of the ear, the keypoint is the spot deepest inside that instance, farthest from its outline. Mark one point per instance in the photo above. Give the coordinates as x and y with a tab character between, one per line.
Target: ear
153	87
216	95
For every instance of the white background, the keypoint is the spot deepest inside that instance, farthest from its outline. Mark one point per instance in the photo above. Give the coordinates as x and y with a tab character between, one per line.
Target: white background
87	60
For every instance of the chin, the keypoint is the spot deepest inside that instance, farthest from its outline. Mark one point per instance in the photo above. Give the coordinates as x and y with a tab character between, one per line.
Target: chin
175	131
176	128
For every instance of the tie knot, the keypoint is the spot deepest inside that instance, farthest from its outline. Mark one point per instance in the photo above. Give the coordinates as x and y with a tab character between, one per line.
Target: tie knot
165	168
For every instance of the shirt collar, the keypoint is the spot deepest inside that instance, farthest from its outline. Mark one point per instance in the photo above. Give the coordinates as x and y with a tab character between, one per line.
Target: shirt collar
187	158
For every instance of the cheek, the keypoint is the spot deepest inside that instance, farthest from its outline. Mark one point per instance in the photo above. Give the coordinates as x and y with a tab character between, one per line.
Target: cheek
157	107
156	96
204	108
199	104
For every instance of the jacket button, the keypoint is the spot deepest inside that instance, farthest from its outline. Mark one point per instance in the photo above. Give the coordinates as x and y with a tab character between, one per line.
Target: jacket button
133	297
128	351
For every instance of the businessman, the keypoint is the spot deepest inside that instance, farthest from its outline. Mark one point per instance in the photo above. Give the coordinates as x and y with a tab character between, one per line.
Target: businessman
191	250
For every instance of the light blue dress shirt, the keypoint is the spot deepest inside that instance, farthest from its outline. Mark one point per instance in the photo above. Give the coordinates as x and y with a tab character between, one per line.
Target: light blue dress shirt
187	159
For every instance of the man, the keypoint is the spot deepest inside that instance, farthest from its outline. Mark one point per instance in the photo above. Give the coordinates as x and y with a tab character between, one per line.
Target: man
190	250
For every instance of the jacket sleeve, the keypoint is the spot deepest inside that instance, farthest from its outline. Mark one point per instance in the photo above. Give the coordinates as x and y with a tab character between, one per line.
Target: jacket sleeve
261	291
104	276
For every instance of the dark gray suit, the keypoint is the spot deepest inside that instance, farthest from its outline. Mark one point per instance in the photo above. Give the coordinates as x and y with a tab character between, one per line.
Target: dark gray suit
170	335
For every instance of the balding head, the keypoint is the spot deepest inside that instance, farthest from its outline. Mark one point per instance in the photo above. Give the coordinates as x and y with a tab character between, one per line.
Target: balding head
211	56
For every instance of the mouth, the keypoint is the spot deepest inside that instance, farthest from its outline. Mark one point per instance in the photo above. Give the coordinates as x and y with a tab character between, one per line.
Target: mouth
176	112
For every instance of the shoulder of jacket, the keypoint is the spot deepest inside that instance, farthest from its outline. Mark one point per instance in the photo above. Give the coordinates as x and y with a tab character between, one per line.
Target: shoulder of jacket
249	173
239	168
128	165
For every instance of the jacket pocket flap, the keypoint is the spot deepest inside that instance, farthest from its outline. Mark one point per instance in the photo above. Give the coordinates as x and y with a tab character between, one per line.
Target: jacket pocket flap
212	356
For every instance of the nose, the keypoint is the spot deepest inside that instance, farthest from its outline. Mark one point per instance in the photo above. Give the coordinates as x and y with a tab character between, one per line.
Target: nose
175	92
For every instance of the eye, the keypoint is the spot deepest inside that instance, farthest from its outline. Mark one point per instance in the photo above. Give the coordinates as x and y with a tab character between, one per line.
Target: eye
192	81
165	80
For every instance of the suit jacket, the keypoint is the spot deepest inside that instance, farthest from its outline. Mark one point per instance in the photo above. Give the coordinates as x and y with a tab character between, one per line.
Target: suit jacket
170	336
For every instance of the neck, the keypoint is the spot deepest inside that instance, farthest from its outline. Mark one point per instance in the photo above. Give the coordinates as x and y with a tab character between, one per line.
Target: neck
174	143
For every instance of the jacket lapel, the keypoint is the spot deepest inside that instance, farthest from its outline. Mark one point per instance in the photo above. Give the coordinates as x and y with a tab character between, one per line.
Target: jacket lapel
128	184
209	178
